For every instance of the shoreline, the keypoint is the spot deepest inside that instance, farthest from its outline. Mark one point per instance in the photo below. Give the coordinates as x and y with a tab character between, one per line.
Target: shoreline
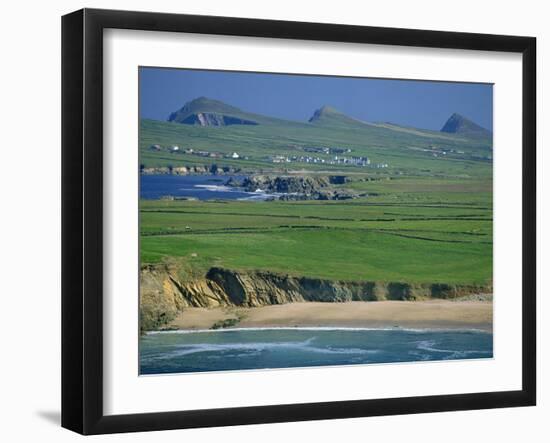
387	315
315	328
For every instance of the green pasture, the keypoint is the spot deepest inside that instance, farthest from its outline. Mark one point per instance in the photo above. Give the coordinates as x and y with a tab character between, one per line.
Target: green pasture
436	238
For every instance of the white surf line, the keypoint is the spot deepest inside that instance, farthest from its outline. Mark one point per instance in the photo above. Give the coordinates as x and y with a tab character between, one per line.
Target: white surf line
315	328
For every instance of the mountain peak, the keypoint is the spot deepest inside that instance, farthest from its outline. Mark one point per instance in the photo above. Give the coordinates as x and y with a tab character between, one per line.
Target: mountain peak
328	115
204	104
204	111
326	109
458	124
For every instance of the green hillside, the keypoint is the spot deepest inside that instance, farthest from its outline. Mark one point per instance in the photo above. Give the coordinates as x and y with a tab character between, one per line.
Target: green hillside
408	151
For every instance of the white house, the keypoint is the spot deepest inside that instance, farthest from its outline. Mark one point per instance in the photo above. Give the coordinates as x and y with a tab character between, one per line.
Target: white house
234	155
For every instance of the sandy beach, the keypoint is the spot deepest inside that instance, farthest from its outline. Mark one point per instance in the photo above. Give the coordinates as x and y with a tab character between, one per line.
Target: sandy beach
405	314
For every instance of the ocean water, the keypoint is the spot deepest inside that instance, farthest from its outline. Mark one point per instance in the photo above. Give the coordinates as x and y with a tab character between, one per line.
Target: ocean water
239	349
201	187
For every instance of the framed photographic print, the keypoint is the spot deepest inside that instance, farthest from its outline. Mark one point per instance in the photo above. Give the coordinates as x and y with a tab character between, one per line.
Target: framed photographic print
269	221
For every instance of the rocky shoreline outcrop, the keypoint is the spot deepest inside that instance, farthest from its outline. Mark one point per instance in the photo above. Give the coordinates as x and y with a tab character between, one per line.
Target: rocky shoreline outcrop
285	187
164	292
302	184
296	187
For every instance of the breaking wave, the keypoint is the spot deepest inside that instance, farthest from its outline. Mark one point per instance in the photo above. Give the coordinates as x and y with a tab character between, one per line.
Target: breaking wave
255	347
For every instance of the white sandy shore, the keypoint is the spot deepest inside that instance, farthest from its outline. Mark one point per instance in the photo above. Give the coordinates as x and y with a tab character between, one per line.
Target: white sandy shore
406	314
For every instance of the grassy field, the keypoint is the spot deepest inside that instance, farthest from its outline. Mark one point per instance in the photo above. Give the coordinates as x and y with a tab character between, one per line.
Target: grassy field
416	231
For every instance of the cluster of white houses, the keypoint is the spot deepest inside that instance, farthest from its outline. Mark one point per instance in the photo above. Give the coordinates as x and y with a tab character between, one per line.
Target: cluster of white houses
336	160
174	149
327	150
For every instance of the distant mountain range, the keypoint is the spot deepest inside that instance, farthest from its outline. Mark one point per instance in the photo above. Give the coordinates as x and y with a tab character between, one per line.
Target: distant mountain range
204	111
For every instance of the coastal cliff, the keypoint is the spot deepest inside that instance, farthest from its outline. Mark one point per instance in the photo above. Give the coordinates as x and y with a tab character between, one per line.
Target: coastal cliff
164	292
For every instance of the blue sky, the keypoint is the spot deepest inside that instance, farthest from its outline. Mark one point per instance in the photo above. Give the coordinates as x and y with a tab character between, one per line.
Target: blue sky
422	104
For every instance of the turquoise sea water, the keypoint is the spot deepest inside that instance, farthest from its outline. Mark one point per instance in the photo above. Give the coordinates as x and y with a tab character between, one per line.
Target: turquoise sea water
238	349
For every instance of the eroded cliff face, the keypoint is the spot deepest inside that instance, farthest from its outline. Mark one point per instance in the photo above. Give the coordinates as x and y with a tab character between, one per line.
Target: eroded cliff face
212	119
164	291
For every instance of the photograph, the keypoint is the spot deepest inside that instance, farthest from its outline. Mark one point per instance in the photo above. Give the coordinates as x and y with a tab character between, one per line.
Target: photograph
298	220
275	222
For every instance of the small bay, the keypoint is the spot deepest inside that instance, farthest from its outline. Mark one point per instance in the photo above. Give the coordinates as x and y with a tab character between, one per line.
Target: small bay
199	187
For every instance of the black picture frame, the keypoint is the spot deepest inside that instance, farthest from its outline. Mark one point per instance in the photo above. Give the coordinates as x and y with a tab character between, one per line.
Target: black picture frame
82	219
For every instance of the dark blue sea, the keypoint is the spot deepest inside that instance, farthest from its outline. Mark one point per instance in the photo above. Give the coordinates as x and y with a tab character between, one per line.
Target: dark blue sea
238	349
201	187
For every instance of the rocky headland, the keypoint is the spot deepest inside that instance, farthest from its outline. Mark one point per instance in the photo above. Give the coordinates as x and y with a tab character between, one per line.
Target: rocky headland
297	187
